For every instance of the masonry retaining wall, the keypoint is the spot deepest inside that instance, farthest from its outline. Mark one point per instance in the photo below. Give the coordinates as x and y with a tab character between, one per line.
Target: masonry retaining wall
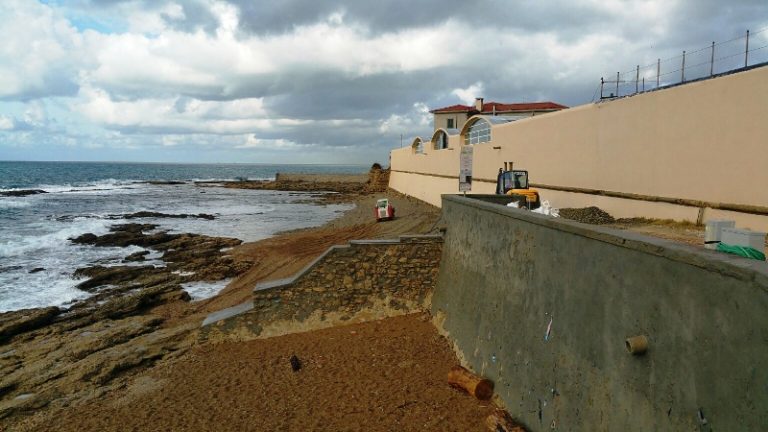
367	279
508	278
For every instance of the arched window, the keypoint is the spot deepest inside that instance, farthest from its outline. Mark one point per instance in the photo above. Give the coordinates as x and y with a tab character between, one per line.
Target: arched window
418	146
441	140
478	132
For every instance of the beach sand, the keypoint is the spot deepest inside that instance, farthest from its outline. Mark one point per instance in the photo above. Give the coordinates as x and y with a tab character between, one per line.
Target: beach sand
387	375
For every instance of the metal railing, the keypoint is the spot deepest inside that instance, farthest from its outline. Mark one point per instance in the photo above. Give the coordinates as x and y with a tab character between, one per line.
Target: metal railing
715	59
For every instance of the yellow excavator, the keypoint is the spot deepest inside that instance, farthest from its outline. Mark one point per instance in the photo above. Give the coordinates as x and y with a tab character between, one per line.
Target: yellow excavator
515	183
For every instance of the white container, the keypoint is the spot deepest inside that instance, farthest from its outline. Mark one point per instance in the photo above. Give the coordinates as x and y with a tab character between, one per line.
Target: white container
744	237
714	231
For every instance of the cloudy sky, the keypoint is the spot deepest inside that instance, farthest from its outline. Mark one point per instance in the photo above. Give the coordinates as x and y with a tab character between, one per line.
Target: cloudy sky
314	81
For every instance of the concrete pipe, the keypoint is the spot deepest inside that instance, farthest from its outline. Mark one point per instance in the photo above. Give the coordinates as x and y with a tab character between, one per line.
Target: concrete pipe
637	345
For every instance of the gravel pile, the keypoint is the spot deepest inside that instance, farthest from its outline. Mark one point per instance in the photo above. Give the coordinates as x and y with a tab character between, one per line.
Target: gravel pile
590	215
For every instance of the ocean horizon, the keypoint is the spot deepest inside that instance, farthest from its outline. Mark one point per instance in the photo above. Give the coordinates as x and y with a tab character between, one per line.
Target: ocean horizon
39	174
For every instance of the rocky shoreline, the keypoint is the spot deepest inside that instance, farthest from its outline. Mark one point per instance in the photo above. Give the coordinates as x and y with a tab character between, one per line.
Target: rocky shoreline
62	353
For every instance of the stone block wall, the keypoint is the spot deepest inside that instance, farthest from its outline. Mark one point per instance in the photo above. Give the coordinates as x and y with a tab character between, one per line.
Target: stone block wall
367	279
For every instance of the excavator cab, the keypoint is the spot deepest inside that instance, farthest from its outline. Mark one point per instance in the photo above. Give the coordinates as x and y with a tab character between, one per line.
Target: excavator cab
515	183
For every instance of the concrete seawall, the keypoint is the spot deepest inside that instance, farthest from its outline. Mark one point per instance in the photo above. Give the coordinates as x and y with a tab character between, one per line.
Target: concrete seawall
543	307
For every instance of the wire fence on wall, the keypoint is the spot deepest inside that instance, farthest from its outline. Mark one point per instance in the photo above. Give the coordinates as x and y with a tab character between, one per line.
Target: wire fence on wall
717	58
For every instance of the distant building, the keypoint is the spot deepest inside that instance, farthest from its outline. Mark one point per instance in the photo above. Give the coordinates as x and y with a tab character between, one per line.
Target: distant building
455	116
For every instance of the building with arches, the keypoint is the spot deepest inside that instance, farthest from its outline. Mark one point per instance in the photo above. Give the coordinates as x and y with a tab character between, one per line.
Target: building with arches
455	116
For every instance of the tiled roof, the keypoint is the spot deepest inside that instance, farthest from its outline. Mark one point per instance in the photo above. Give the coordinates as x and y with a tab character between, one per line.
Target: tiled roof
452	108
501	107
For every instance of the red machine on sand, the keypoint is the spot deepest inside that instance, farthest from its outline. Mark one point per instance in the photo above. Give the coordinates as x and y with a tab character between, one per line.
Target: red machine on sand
384	210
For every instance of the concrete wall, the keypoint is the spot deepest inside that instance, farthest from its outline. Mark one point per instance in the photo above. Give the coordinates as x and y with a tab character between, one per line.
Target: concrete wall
700	141
506	274
368	279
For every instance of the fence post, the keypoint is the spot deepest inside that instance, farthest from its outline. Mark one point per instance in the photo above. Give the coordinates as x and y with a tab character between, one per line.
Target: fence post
746	51
712	61
658	72
617	84
637	79
602	83
643	83
682	77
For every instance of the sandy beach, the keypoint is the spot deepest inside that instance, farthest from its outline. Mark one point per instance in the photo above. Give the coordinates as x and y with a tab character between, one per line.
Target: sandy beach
378	376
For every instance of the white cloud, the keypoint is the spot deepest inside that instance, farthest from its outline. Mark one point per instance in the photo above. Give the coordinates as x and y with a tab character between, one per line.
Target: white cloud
39	49
418	118
468	95
6	123
251	142
191	115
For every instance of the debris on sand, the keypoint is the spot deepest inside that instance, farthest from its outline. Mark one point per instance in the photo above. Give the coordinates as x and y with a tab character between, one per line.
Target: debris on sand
591	215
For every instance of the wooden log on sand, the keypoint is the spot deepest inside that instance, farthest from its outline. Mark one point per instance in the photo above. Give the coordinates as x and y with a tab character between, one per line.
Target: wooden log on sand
500	421
463	379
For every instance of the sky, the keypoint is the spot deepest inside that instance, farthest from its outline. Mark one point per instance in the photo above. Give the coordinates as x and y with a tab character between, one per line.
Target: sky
318	81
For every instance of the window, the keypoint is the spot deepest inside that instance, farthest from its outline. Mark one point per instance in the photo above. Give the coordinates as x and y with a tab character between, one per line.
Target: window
478	132
449	124
442	141
418	146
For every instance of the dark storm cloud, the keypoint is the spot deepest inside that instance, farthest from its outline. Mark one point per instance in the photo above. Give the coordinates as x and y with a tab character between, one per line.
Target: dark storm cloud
197	16
392	15
332	96
55	82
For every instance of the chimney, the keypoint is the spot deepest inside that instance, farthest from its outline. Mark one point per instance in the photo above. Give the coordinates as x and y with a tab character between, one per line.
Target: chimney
479	104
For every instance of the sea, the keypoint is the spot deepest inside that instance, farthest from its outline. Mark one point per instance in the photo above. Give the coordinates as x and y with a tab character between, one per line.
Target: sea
37	259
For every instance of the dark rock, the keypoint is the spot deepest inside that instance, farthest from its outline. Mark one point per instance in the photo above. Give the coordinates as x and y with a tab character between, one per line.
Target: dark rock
125	235
87	238
295	363
20	321
22	192
36	270
149	214
9	268
165	182
136	302
101	276
136	256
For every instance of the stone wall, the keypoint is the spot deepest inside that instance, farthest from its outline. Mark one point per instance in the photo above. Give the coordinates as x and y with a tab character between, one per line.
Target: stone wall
367	279
543	306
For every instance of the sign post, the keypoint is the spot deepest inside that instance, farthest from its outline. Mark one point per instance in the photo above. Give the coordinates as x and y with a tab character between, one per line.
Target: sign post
465	169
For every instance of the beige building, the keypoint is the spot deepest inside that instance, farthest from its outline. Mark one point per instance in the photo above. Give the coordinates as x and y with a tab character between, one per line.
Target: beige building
455	116
690	152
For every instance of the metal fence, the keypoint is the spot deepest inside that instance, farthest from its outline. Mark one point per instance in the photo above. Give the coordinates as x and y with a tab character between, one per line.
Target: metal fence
705	62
